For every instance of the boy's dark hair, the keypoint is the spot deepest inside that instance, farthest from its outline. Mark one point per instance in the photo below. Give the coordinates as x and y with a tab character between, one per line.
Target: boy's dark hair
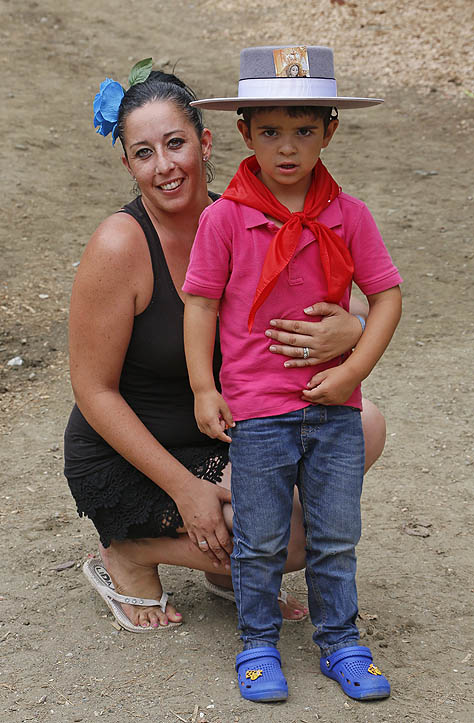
161	86
317	111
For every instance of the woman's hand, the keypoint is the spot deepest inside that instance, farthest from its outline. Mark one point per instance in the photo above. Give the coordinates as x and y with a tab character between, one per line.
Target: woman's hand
337	332
204	521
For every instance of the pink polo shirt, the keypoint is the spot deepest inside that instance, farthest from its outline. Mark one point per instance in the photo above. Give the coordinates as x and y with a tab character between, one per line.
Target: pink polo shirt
226	262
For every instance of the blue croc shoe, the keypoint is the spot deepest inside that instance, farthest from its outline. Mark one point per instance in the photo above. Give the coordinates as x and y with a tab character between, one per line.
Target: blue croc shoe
354	670
260	676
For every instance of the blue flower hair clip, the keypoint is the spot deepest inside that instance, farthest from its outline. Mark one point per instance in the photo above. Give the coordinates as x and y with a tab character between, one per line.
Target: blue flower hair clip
106	108
107	100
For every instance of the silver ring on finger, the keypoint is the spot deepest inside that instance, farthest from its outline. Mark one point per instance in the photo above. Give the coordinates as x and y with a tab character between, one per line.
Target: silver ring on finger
203	543
305	352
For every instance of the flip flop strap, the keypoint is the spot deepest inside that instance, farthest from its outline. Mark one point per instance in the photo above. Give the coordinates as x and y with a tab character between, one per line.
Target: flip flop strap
138	600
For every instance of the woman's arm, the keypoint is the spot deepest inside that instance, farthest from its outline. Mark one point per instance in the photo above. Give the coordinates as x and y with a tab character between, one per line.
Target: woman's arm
109	290
211	411
336	333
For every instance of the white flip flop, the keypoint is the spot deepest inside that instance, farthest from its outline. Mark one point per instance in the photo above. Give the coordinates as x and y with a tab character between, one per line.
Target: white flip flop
228	594
100	579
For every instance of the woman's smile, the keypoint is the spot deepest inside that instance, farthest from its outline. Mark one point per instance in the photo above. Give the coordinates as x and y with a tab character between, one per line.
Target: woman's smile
171	185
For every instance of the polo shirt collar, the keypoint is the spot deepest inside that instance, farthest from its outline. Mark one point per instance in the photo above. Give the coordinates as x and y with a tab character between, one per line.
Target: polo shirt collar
331	216
253	217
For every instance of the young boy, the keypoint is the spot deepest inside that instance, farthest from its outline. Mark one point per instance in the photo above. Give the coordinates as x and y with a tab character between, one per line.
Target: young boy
282	234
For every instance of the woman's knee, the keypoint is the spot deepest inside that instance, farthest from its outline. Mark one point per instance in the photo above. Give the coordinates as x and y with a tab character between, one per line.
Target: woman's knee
373	424
228	515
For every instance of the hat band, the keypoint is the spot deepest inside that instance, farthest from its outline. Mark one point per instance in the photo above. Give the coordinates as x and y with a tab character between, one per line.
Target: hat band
287	88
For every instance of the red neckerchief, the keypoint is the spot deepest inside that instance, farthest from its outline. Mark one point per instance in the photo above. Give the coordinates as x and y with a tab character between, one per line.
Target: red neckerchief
336	260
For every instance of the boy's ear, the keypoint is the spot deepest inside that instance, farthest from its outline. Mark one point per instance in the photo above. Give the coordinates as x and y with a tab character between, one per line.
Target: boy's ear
245	133
332	127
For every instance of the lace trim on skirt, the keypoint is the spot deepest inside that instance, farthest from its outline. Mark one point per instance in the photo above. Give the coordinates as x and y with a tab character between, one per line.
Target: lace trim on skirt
125	504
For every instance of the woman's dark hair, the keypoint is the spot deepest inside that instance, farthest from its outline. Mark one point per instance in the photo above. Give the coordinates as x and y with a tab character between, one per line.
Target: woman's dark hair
317	111
162	86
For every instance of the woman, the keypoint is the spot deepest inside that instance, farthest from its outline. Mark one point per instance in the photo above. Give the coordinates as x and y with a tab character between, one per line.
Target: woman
135	461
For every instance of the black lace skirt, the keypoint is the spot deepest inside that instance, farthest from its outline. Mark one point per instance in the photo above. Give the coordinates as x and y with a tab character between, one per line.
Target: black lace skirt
125	504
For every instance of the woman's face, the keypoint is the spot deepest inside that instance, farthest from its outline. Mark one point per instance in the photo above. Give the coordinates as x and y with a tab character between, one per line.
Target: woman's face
165	156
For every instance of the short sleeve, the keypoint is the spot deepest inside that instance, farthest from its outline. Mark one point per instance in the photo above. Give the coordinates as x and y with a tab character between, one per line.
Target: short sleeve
374	270
210	261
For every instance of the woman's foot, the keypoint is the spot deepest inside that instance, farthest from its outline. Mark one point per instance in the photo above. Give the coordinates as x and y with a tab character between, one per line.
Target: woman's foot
132	577
291	608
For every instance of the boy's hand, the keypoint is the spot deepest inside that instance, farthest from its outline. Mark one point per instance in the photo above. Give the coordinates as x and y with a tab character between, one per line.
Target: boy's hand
331	386
212	414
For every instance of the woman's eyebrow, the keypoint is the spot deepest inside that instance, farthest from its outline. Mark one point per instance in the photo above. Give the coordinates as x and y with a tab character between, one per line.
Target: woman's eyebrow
171	133
165	135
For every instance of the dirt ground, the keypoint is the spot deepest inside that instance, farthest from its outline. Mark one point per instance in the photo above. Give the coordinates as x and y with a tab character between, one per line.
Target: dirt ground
411	160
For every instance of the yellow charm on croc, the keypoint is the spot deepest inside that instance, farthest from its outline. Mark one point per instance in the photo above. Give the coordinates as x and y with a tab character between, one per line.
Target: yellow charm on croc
266	683
374	670
353	669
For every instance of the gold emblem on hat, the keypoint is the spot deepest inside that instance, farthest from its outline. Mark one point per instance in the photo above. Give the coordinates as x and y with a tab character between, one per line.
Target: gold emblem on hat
291	62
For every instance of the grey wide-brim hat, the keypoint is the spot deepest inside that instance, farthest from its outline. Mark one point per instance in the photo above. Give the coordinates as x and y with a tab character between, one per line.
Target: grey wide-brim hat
282	75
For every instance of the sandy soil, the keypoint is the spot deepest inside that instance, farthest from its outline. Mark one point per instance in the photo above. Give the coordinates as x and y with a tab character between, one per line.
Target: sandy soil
411	160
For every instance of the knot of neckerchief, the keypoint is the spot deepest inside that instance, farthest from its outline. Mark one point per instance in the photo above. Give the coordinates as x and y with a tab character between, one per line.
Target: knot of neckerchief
336	260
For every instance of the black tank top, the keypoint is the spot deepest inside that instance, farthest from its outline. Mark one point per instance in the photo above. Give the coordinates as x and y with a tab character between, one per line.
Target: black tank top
154	379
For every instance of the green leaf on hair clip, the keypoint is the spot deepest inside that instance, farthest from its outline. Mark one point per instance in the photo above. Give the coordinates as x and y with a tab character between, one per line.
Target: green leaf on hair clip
140	71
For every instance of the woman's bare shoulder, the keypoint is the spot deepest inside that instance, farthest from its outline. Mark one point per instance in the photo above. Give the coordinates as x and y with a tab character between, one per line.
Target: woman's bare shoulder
116	257
118	233
118	242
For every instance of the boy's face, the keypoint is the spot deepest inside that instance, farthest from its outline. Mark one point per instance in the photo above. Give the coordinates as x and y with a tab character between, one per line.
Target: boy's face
286	148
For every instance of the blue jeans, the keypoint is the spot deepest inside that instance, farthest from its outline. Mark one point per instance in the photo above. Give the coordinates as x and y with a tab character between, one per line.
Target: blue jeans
321	450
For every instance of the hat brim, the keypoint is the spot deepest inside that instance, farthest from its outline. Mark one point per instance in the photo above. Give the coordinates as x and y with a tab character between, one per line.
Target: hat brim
235	103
